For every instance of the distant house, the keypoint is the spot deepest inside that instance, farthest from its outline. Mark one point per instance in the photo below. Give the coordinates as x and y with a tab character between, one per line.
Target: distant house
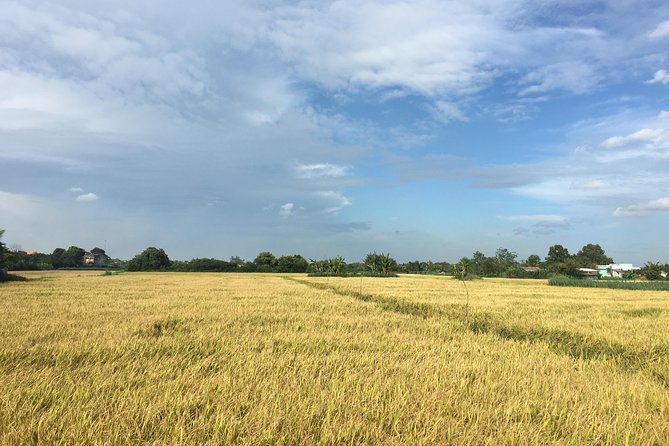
616	270
530	269
586	272
96	257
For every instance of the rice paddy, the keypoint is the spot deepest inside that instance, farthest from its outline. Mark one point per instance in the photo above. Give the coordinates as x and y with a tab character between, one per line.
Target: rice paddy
207	358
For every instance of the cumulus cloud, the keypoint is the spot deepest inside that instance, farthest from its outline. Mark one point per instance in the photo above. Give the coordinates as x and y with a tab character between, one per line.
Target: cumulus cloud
87	197
660	77
639	210
287	209
76	189
320	170
660	31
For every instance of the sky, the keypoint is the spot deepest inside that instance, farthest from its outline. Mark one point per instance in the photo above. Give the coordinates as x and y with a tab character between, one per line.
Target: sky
426	129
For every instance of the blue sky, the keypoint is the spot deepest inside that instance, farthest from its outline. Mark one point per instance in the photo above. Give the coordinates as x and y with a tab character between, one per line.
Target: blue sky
426	129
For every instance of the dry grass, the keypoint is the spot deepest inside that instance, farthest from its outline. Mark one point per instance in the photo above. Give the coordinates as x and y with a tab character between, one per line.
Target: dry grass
260	359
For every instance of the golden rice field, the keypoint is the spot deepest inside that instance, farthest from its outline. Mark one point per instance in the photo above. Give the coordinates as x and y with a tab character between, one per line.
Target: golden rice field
169	358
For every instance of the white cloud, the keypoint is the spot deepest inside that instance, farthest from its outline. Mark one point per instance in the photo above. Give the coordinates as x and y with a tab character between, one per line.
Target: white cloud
286	210
640	137
320	170
639	210
660	77
629	211
87	197
661	204
76	189
573	76
645	143
448	111
424	46
594	176
336	199
589	185
97	48
662	30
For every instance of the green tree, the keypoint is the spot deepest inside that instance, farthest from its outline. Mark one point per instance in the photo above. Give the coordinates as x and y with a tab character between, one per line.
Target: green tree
57	258
237	261
328	267
652	271
151	259
292	264
208	265
557	254
412	267
381	264
533	260
73	257
592	255
463	268
265	261
490	267
505	258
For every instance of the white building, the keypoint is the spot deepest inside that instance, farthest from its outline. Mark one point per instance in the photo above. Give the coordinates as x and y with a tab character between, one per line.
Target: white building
616	270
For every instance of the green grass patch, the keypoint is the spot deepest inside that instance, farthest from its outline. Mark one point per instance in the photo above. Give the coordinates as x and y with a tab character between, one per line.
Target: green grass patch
386	303
643	312
12	278
351	274
612	284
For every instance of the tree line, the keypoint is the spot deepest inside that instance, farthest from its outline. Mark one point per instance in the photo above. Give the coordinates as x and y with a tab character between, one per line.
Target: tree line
504	263
72	257
156	259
